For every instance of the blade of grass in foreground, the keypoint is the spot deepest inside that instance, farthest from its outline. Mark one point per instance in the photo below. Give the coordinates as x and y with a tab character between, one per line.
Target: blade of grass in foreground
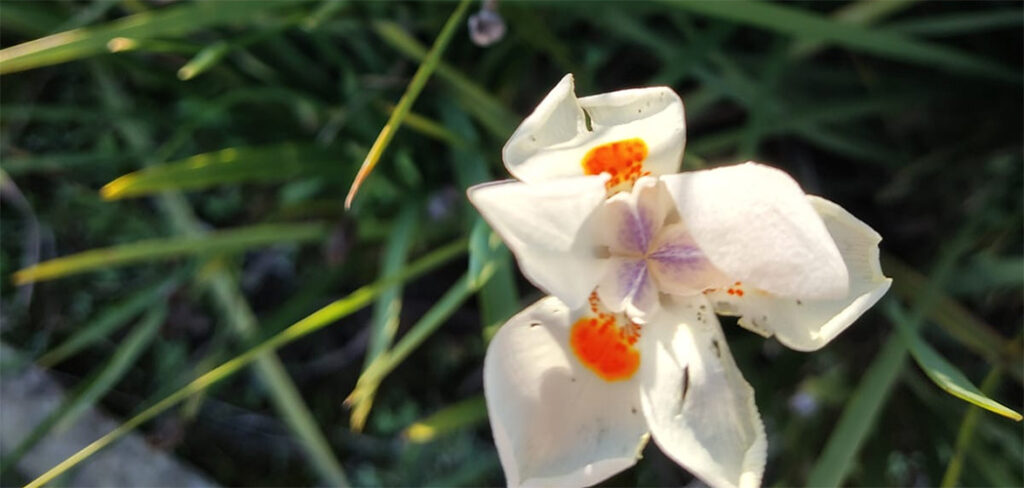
94	387
944	374
313	322
806	25
965	436
419	79
214	243
167	22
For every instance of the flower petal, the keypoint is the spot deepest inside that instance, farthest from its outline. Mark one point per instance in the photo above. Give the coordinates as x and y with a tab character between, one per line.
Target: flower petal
555	139
627	288
628	222
556	423
679	266
756	225
807	325
546	226
699	409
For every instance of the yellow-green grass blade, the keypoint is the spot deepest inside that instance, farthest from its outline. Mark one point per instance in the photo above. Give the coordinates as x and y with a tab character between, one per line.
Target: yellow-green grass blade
941	371
323	317
96	385
226	241
167	22
361	398
965	435
388	306
466	413
278	162
412	91
112	318
806	25
472	97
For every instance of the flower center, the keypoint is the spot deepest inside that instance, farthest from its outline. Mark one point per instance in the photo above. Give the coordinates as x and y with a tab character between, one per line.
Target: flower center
604	346
623	160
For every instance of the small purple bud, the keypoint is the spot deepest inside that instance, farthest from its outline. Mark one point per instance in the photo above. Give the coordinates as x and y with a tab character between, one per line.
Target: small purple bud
486	27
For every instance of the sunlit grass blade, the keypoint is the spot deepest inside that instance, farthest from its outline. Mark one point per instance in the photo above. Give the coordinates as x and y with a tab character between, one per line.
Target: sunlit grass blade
466	413
96	385
426	126
323	317
361	398
279	162
387	309
112	318
412	91
170	21
205	59
806	25
226	241
473	98
965	435
940	371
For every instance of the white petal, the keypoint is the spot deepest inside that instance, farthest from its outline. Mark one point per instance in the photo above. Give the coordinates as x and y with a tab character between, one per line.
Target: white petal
805	324
556	423
628	222
755	224
546	226
628	287
699	409
679	266
553	141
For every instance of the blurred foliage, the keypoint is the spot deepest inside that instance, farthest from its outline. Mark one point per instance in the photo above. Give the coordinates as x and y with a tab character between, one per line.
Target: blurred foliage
215	141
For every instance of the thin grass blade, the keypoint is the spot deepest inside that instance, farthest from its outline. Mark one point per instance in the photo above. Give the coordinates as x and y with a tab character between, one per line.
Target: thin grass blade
227	241
466	413
419	80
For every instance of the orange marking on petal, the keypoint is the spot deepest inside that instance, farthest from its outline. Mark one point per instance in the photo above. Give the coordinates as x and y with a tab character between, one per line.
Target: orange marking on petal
623	160
605	348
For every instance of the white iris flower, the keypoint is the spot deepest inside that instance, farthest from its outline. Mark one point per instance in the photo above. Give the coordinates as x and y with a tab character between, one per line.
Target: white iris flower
638	260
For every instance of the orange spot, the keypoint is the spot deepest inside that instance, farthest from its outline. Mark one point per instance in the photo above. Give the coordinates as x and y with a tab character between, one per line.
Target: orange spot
605	348
623	160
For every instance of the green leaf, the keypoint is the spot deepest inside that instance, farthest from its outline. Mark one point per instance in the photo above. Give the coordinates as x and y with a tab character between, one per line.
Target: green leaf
96	385
167	22
313	322
412	91
113	317
461	415
806	25
944	374
235	240
387	309
279	162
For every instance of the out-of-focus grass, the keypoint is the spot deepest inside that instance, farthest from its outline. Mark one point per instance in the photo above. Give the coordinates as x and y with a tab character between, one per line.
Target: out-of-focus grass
255	117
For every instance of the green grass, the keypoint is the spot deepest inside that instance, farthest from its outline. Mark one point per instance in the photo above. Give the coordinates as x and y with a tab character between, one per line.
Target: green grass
180	171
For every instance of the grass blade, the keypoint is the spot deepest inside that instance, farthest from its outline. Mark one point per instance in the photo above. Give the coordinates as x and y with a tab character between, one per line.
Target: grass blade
965	435
113	317
805	25
466	413
167	22
388	307
214	243
361	398
96	385
313	322
280	162
940	371
419	79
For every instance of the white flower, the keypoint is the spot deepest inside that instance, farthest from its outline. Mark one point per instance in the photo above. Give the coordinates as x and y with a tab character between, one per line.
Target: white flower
638	261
